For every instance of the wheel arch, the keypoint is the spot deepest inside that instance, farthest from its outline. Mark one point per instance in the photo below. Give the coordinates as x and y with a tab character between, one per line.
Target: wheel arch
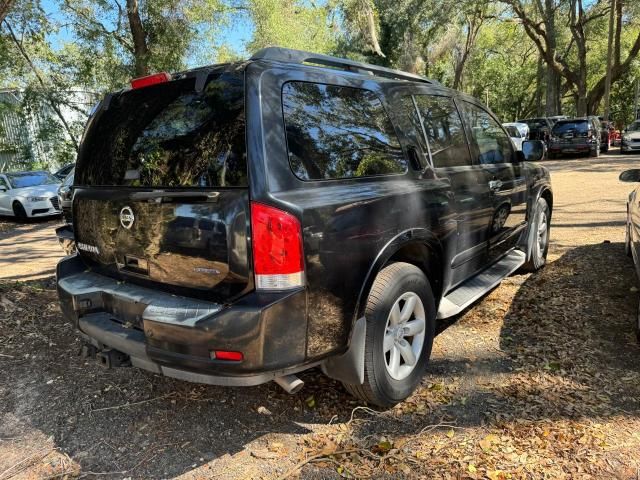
418	247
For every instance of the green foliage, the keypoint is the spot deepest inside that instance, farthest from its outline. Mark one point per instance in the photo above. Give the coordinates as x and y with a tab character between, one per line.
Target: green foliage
291	24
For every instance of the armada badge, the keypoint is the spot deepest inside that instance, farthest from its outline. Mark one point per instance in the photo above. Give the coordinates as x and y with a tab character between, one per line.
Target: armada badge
126	217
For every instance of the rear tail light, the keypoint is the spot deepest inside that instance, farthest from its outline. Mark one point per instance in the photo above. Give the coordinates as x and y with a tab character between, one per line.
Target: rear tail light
149	80
278	259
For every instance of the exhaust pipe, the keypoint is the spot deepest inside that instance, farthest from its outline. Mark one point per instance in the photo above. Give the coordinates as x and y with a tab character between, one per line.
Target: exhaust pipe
290	383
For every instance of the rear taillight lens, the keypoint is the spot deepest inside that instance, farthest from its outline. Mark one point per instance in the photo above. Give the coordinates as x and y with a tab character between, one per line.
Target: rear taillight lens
149	80
278	260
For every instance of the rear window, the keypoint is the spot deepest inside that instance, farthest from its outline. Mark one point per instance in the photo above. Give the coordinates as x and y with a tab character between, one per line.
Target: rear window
169	135
338	132
580	126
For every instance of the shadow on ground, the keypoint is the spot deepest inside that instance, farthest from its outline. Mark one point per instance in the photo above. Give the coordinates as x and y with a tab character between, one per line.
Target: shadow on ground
563	349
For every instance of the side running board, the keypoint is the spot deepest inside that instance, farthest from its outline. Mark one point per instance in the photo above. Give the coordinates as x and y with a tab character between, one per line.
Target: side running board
472	289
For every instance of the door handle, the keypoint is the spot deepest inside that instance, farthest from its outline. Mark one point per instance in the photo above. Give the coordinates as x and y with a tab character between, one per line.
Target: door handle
495	185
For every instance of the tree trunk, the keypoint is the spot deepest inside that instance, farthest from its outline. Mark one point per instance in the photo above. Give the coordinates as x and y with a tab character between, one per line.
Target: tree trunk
539	87
607	83
140	49
552	92
5	7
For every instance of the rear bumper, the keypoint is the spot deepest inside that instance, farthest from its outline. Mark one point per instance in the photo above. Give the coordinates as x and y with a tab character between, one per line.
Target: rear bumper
571	148
174	335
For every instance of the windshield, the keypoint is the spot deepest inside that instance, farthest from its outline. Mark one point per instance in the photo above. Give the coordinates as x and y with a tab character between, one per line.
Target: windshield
31	179
68	180
634	127
580	126
174	134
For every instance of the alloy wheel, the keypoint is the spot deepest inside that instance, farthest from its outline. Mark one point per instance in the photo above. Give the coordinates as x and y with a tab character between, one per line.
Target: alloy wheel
404	335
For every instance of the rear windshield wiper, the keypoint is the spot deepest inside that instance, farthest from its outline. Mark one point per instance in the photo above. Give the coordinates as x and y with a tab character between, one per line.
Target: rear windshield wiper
160	196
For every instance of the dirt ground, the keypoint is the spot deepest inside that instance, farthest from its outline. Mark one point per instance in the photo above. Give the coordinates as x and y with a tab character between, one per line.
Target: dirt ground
541	379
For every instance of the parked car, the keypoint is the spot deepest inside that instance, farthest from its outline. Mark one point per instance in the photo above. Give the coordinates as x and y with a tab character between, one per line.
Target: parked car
631	138
518	133
65	196
346	213
29	194
632	227
64	171
539	128
576	135
606	135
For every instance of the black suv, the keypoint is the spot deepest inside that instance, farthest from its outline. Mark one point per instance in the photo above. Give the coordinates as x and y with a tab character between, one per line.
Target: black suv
576	135
240	223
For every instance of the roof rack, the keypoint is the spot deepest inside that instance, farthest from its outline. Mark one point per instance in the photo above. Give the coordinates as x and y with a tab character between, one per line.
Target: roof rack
288	55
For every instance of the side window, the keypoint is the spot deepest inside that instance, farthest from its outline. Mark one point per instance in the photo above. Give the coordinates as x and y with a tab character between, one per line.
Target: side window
444	130
338	132
492	143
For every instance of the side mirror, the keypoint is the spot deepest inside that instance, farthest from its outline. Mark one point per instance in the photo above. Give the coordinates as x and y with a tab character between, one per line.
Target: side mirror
632	175
3	189
532	150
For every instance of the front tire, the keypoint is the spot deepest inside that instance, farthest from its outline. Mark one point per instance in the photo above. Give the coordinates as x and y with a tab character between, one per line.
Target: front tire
540	247
19	211
595	153
400	316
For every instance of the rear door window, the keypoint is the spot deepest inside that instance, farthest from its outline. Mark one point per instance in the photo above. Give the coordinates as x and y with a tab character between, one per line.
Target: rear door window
444	130
338	132
169	135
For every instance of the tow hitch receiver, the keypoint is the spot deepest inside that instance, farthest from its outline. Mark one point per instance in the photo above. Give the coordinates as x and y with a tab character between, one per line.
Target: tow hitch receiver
110	358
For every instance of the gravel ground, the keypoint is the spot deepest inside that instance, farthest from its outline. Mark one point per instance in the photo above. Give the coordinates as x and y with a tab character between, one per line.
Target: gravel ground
539	380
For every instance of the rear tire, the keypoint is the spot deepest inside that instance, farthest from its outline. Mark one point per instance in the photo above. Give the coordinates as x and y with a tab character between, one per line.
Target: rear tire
19	211
541	226
399	297
595	153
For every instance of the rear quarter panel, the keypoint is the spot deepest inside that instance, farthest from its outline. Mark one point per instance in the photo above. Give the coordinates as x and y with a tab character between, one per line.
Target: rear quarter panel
346	223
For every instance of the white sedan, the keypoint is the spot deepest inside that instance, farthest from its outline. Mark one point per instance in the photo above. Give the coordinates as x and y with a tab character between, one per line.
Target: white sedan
29	194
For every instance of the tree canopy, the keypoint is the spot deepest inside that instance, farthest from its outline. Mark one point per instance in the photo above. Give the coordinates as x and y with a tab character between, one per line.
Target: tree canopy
523	57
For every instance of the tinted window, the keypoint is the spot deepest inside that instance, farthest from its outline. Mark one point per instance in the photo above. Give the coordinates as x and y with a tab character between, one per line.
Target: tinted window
444	130
564	127
22	180
492	143
512	131
169	135
338	132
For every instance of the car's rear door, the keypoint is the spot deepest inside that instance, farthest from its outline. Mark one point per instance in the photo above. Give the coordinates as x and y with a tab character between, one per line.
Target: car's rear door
504	175
161	187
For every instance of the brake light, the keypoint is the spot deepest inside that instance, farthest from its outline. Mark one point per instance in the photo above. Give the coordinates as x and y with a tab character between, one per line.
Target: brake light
149	80
278	260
